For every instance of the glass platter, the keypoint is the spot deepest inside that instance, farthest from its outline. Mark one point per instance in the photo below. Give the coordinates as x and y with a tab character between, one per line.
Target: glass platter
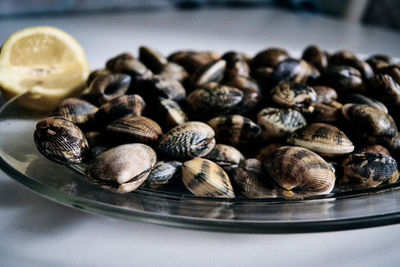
336	211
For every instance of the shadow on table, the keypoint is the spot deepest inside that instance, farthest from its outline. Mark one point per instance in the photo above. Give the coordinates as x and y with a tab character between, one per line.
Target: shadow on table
35	214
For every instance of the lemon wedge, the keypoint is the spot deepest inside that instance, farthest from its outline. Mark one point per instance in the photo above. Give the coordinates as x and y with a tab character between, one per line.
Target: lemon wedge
46	63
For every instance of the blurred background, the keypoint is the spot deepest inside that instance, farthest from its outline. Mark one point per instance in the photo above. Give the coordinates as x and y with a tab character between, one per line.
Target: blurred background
381	13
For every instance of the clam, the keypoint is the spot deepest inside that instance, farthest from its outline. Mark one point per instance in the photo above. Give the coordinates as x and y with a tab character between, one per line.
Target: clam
132	128
344	79
236	65
322	138
161	86
366	170
225	156
347	58
122	169
234	129
213	99
328	111
270	57
105	88
293	70
187	140
172	113
316	57
76	110
126	63
118	108
299	171
163	173
298	96
96	73
205	178
385	88
152	58
373	149
265	151
174	71
250	180
193	61
60	140
364	100
276	123
325	93
212	72
376	125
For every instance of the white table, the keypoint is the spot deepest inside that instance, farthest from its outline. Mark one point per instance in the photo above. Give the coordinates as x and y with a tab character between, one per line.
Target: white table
37	232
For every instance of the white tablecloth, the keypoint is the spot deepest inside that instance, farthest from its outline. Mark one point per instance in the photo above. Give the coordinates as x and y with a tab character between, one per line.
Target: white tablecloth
38	232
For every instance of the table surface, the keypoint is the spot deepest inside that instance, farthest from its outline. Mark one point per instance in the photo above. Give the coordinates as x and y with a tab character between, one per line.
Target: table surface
35	231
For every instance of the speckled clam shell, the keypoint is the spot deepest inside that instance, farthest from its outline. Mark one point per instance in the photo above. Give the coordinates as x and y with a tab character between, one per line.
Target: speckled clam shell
366	170
250	180
205	178
123	168
188	140
295	95
234	129
118	108
322	138
300	170
133	128
225	156
276	123
163	173
60	140
76	110
374	122
213	99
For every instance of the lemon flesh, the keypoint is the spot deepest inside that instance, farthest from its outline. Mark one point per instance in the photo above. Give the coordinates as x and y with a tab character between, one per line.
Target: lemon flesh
46	63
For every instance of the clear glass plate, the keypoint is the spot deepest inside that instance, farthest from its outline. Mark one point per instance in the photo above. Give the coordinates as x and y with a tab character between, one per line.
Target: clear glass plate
336	211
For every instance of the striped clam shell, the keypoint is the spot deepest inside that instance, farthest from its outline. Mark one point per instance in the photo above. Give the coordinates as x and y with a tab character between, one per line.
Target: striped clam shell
322	138
251	180
205	178
234	129
60	140
278	123
295	95
299	170
76	110
123	168
133	128
163	173
118	108
172	112
366	170
225	156
188	140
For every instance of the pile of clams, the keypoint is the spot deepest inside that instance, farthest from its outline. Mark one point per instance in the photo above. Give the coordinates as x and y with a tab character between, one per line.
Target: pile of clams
229	125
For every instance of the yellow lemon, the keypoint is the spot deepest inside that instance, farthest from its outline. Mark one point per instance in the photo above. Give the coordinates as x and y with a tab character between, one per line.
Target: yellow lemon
46	63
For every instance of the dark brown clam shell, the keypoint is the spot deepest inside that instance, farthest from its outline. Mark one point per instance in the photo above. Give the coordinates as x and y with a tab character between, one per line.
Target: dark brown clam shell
328	111
344	79
161	86
346	58
293	70
251	180
126	63
96	73
122	169
299	170
152	58
270	57
298	96
60	140
364	100
234	130
188	140
193	61
366	170
316	57
212	72
118	108
236	65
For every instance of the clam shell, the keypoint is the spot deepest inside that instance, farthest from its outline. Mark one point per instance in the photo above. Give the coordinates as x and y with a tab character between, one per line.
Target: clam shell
174	71
152	58
270	57
60	140
293	70
300	170
323	139
362	99
250	180
126	63
278	123
173	114
213	99
76	110
344	79
316	57
385	88
123	168
133	129
328	111
193	61
236	65
225	156
212	72
204	178
298	96
161	86
163	173
325	93
234	129
188	140
366	170
118	108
